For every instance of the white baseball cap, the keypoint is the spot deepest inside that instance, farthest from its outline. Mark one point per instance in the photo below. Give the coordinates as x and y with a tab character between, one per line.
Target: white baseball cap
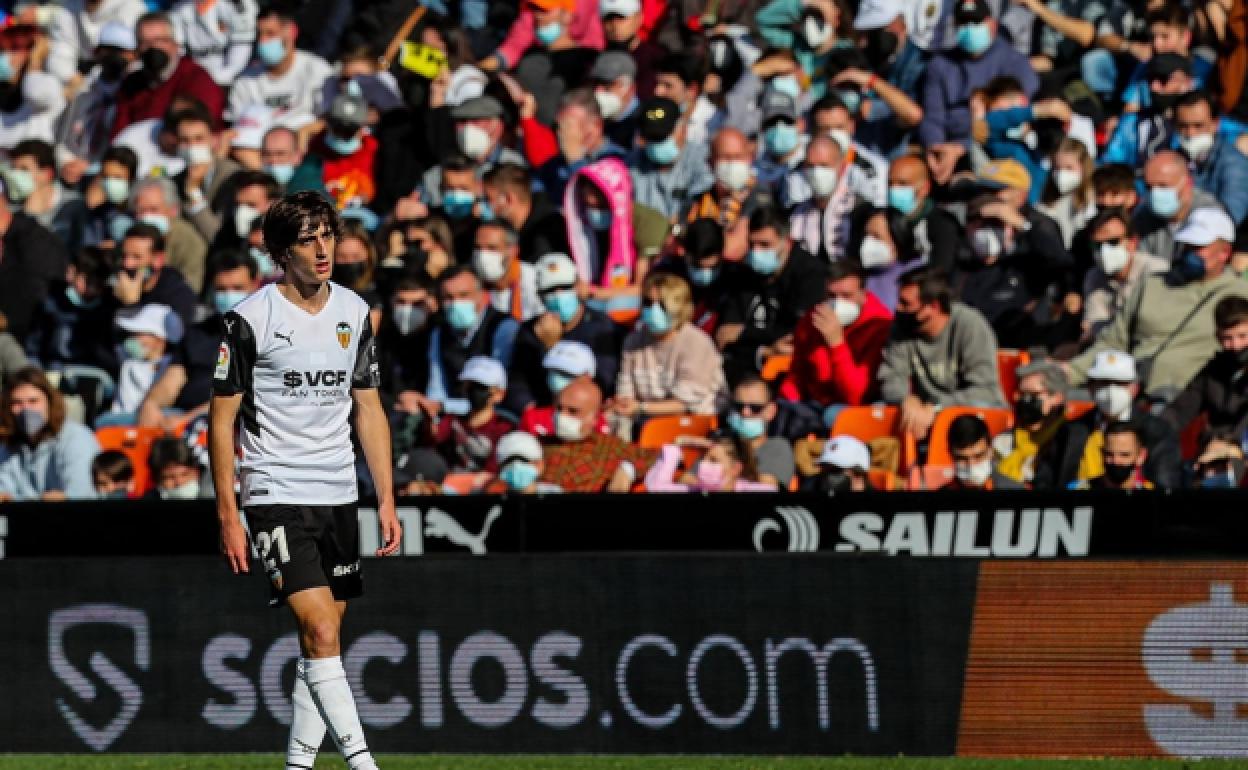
252	124
555	271
618	7
1112	366
846	452
467	82
517	445
115	34
1204	226
873	14
571	357
156	319
485	371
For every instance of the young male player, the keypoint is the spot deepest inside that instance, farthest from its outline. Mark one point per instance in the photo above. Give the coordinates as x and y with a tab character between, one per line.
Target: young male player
296	357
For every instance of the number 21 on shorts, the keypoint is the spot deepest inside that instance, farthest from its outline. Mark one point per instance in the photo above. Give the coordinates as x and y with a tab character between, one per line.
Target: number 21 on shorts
265	542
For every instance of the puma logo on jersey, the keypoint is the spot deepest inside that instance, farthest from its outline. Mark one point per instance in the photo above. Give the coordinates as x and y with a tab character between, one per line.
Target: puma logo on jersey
286	337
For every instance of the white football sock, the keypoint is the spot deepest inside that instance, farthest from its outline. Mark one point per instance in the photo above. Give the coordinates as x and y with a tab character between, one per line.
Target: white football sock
307	729
328	683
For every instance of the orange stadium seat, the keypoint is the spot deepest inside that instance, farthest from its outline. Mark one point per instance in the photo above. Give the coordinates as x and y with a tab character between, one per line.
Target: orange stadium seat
1077	409
867	423
672	429
999	420
136	443
465	483
925	477
625	316
882	479
1008	362
776	367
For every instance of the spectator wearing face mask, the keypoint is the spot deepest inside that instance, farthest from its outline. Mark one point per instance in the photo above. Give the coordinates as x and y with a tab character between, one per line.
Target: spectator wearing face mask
1120	267
73	325
582	141
668	171
1219	391
539	225
467	441
543	24
82	28
566	320
822	223
154	202
615	87
347	150
1172	196
812	30
33	100
251	196
88	120
681	75
1076	453
512	284
43	456
1217	166
149	333
843	466
1123	457
113	475
866	172
728	465
564	364
520	465
751	414
33	259
1068	197
218	35
285	159
282	75
33	182
1220	464
712	278
207	183
106	197
734	196
974	469
838	345
557	62
784	143
1011	123
177	472
479	129
583	459
1141	135
935	233
403	339
166	74
1039	413
891	110
1167	323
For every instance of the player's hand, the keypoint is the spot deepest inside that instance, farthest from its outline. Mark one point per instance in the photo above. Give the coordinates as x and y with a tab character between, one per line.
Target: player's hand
234	546
391	530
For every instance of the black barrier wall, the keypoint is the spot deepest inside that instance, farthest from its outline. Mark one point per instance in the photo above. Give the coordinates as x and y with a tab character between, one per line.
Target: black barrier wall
780	654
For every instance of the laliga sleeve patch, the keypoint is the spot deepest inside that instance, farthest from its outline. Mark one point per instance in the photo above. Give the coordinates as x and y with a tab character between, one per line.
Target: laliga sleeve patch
223	363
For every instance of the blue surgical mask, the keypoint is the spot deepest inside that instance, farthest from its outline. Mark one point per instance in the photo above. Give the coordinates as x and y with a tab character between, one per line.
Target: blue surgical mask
282	172
458	203
748	428
135	350
485	212
271	52
781	139
703	276
557	381
337	144
562	303
77	300
656	319
788	85
118	226
599	219
1190	267
851	99
663	153
764	261
6	66
461	314
975	38
409	318
1164	201
547	34
903	199
519	475
264	263
224	301
159	221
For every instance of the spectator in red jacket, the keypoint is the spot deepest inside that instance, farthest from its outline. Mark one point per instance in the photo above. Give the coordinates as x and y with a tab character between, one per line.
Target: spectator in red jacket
837	346
166	73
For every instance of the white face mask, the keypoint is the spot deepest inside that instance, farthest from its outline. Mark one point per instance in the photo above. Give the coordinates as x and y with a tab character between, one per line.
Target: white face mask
196	154
608	104
1067	180
1196	147
1113	401
187	491
244	217
567	427
473	140
846	312
816	32
490	265
976	474
986	243
733	174
843	138
1112	258
875	253
822	180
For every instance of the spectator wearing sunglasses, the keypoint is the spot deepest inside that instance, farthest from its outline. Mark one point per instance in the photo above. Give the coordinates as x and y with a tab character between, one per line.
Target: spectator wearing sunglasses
751	415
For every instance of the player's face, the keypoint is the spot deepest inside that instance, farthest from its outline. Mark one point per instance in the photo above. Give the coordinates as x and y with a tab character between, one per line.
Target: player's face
312	255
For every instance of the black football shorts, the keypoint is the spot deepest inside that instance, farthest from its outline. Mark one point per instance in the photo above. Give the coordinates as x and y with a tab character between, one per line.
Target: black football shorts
307	546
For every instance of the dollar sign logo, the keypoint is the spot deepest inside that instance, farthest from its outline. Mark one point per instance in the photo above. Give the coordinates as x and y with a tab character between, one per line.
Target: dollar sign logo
1190	652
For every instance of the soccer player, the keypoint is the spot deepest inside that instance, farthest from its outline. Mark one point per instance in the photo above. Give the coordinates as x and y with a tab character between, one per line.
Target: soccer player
297	356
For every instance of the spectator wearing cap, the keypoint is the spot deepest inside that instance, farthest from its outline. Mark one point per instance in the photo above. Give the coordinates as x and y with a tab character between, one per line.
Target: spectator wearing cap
154	201
511	283
520	466
1119	267
1140	135
891	108
1011	133
508	189
970	444
565	363
147	93
1167	323
467	441
757	321
148	333
282	76
838	345
347	150
577	19
941	353
479	130
33	259
207	183
78	29
88	119
218	35
680	77
285	159
626	25
419	472
178	474
843	465
668	171
1076	452
1039	413
728	465
734	196
784	142
1172	196
43	455
43	197
615	87
954	76
583	459
1219	391
821	223
566	320
753	416
1217	166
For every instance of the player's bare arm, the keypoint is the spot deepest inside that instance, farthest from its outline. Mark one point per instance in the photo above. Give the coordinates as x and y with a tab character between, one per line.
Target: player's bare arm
374	433
222	414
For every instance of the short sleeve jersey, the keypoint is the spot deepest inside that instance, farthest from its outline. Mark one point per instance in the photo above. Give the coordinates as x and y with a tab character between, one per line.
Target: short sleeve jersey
295	372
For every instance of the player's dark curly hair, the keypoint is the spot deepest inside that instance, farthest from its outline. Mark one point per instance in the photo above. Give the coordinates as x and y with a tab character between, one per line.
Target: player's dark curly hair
295	214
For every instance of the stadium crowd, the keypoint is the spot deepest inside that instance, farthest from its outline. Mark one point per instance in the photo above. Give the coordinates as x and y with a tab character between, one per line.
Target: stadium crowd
644	245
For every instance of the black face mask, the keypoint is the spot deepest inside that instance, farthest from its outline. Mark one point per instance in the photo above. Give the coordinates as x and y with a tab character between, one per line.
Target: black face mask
348	274
478	395
1164	102
154	61
1029	410
112	67
881	45
1117	474
906	322
1242	357
831	482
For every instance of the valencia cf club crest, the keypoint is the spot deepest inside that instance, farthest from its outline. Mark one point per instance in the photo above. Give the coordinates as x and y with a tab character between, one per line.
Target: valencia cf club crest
344	334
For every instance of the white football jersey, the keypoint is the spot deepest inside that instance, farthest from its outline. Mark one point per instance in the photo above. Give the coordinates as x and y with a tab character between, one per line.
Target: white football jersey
295	372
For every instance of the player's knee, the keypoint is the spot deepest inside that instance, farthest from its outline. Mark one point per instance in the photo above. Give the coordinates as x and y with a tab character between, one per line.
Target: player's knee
320	636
